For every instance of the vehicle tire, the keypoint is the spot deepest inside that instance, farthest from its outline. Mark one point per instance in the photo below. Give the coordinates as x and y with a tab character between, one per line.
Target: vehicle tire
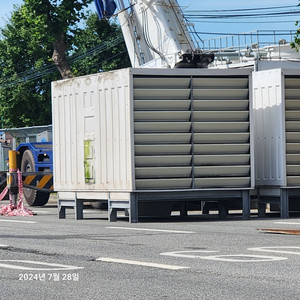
32	197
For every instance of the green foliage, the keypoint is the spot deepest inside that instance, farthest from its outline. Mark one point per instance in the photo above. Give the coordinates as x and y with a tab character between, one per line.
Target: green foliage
296	43
94	34
26	47
21	52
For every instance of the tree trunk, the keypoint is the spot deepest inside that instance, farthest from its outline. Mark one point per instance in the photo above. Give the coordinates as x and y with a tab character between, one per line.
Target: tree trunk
59	57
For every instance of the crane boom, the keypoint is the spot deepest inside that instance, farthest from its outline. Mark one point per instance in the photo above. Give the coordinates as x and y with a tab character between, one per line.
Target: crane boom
156	35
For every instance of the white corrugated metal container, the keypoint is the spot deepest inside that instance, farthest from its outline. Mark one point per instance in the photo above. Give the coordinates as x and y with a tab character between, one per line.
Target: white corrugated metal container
143	130
92	133
276	102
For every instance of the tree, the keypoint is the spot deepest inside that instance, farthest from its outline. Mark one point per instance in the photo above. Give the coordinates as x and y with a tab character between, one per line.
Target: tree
24	97
57	19
296	43
27	68
106	38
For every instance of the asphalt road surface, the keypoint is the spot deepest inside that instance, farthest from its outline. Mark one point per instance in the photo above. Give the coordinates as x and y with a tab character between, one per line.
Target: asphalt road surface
43	257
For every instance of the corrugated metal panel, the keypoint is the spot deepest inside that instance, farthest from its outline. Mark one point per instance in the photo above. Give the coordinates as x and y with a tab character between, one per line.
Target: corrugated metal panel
205	136
269	127
92	133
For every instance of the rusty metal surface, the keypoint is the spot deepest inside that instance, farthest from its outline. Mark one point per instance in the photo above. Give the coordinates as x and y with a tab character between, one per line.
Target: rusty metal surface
281	231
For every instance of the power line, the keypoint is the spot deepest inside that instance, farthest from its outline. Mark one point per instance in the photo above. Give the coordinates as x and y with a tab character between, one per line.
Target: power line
261	33
32	75
264	15
242	9
246	22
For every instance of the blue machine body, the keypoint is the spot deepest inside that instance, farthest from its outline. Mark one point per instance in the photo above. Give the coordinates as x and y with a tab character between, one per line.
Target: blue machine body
42	154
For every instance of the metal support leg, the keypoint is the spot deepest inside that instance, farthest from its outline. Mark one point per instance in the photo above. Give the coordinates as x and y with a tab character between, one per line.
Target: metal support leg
61	212
246	205
261	206
112	214
284	203
183	210
222	210
133	215
261	210
78	209
205	208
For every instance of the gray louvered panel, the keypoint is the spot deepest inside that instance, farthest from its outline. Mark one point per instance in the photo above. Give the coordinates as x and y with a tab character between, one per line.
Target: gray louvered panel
162	184
142	127
222	171
293	159
237	83
292	126
168	94
221	104
162	172
233	182
159	82
293	170
219	116
178	116
221	126
292	115
167	146
222	149
293	180
216	94
293	104
165	160
291	83
293	137
162	149
222	138
219	160
182	105
292	93
163	138
293	148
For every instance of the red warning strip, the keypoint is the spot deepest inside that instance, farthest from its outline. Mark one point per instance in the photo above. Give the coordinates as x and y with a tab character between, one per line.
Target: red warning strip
281	231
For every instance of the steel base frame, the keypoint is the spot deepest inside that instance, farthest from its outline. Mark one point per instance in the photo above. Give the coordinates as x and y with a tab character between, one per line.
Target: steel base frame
276	196
138	197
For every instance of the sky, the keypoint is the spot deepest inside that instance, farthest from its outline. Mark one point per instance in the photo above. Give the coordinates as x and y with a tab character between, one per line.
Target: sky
209	26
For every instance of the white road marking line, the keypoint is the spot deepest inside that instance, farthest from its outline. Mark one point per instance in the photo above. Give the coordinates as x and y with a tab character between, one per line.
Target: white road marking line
140	263
280	249
17	221
226	258
236	258
185	253
288	223
55	267
154	230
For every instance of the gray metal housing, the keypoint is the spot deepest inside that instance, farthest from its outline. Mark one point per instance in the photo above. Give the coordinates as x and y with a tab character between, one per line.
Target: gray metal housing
137	136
